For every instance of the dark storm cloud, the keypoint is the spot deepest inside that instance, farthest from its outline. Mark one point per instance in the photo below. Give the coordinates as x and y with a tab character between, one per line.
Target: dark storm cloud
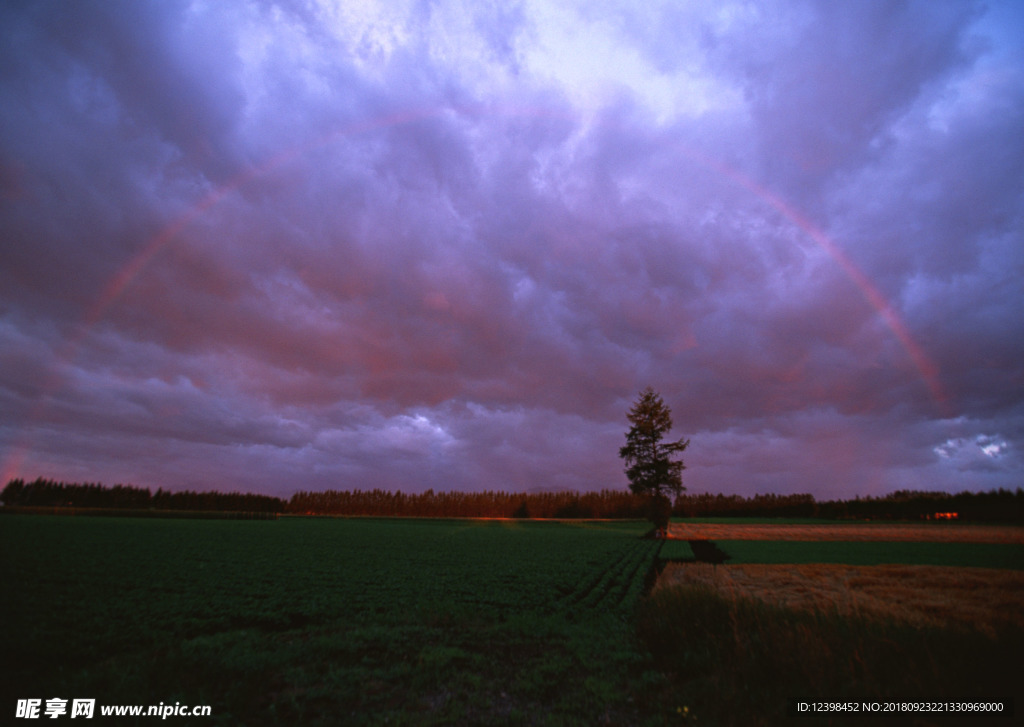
150	66
102	106
281	247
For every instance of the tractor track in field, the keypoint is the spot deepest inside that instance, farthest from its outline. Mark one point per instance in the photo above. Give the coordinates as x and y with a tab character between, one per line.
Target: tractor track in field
609	587
604	595
588	585
635	583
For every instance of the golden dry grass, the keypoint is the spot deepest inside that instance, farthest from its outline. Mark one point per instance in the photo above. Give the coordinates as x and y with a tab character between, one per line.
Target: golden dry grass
981	598
921	532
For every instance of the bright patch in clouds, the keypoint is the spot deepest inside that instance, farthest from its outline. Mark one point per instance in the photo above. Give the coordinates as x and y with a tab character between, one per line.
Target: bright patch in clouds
990	446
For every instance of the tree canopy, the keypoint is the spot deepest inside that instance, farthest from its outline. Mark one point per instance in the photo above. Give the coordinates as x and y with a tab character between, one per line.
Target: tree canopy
649	461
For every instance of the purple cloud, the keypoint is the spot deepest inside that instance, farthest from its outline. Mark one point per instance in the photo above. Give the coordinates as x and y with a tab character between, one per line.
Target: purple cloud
279	248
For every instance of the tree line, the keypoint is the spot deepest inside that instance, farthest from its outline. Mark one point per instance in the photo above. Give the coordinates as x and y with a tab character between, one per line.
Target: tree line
568	505
49	493
993	506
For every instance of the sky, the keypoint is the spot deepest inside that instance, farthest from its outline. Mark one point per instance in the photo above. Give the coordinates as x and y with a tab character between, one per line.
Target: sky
271	247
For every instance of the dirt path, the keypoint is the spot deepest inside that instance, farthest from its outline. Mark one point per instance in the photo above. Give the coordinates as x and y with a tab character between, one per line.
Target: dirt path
922	532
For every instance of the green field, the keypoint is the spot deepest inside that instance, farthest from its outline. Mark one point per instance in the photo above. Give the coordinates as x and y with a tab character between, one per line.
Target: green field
329	621
676	550
977	555
409	621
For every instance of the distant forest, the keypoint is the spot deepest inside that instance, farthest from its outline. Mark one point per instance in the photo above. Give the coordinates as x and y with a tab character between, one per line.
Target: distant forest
41	494
48	494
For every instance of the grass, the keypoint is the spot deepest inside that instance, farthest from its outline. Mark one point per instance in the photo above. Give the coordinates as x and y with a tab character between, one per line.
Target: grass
830	621
737	660
986	599
326	621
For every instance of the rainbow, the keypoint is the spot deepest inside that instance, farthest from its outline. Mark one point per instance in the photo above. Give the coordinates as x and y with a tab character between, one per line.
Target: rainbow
113	290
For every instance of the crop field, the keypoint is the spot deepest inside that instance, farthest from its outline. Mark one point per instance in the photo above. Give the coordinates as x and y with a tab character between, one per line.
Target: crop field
326	621
676	550
413	621
986	598
819	531
870	552
847	611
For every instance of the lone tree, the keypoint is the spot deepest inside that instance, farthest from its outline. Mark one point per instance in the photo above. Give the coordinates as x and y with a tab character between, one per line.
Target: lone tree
649	464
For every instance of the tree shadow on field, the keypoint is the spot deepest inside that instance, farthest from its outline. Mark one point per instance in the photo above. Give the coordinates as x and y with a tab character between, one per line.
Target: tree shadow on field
705	551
